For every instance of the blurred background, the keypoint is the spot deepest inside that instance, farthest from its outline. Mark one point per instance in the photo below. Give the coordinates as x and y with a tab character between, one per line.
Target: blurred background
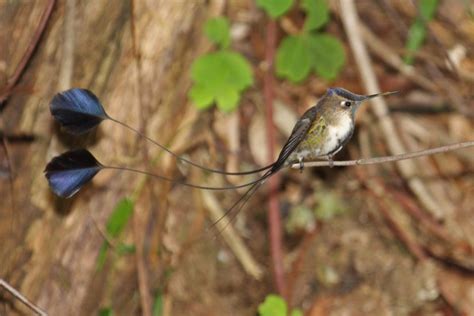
223	82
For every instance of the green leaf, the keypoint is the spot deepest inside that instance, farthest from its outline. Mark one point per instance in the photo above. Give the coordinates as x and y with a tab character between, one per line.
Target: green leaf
275	8
273	305
317	14
227	100
218	31
102	257
125	249
417	31
158	304
296	312
115	225
428	9
297	55
220	77
293	59
327	55
416	37
202	96
105	312
119	217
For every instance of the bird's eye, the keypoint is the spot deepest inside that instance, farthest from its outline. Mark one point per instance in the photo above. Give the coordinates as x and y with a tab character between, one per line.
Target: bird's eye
346	103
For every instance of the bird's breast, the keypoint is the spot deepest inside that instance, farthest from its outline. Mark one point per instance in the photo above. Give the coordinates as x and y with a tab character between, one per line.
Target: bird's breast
324	138
337	134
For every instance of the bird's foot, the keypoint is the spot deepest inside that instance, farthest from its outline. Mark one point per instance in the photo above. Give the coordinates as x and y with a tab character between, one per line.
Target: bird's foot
301	164
331	162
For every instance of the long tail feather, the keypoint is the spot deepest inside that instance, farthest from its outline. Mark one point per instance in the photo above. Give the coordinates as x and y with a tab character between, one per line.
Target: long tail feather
175	181
79	111
187	160
68	172
240	203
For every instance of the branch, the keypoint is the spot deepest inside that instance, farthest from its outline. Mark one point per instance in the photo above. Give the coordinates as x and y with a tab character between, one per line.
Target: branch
379	160
21	298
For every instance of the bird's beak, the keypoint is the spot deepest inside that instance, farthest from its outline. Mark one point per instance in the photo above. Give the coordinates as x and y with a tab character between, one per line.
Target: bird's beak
379	95
362	98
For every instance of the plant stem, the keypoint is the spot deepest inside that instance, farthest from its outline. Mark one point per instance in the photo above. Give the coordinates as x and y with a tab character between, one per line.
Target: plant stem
274	220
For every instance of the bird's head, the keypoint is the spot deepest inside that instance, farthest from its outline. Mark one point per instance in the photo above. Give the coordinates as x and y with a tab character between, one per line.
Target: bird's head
345	102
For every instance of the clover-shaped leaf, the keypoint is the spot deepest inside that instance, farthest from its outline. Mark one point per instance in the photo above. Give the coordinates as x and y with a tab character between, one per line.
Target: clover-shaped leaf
299	54
220	77
327	55
293	59
273	305
218	31
317	14
275	8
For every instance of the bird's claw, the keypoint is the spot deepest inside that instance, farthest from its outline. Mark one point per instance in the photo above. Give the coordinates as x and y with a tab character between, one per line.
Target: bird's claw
301	165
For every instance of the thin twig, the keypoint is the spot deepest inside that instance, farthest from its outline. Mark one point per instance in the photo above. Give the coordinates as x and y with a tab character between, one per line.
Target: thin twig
12	81
103	233
22	298
384	159
274	220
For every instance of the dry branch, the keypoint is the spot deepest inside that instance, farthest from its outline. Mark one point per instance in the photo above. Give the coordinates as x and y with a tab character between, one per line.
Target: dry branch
394	158
21	298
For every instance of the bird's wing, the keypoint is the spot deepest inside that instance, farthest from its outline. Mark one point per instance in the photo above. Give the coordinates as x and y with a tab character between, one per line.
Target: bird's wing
297	135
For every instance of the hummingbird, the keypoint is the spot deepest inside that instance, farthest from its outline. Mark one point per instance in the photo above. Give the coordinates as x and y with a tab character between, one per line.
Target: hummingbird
325	128
321	132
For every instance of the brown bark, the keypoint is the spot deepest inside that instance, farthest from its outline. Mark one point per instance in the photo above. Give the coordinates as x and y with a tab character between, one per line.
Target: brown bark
49	251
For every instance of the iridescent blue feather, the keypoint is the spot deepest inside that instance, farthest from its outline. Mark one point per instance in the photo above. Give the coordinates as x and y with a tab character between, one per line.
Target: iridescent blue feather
68	172
77	110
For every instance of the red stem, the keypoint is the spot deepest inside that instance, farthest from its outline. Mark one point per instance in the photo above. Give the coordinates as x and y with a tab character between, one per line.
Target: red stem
274	220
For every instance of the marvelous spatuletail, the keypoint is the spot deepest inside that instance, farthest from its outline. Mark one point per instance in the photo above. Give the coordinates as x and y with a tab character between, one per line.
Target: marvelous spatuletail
320	133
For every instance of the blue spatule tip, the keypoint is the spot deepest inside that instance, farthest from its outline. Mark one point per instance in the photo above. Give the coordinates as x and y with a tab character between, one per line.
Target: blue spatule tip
77	110
68	172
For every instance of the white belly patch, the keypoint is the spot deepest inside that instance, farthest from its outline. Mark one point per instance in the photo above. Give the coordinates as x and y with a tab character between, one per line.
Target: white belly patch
336	134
